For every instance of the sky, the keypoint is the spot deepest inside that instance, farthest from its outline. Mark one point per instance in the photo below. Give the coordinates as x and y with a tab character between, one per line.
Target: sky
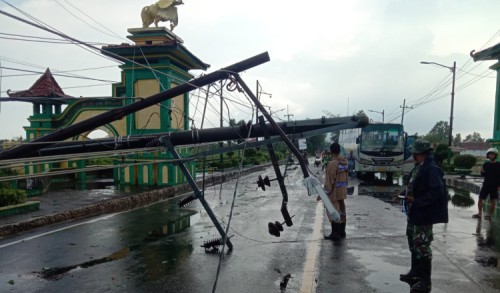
326	55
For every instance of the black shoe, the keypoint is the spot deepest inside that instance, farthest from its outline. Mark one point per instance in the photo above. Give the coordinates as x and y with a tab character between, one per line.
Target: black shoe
342	230
331	234
335	236
424	285
410	282
412	276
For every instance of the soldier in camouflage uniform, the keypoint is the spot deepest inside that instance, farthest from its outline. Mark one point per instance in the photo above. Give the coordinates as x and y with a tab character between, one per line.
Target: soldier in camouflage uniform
428	205
411	277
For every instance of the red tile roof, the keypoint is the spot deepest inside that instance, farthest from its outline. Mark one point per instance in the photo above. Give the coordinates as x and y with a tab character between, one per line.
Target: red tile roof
45	86
479	146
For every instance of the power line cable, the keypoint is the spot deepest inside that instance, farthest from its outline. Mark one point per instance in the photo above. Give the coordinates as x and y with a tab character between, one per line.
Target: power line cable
62	75
82	20
80	43
95	21
462	71
62	42
480	75
48	28
214	289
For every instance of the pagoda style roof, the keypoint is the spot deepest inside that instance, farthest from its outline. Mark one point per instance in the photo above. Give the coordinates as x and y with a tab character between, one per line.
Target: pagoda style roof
45	86
491	53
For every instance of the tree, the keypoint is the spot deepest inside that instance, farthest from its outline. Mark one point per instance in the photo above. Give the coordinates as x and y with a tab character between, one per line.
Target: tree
9	194
457	139
332	136
441	153
316	143
474	137
232	122
439	133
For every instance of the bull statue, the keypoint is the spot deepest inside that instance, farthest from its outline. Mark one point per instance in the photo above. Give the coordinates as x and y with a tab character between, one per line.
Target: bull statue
163	10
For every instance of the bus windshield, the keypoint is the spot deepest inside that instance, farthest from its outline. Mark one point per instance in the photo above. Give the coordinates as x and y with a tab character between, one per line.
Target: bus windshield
388	138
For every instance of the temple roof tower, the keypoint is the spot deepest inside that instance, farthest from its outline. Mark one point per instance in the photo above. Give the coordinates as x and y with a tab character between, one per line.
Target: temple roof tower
44	94
155	62
45	86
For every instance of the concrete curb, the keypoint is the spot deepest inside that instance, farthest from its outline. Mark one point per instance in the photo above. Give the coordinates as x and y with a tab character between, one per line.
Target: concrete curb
19	208
463	184
116	205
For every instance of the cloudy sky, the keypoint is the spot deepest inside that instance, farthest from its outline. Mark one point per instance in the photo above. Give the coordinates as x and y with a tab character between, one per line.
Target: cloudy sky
338	56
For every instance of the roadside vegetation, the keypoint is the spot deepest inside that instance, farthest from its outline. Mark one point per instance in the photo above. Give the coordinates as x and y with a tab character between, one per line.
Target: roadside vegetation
9	194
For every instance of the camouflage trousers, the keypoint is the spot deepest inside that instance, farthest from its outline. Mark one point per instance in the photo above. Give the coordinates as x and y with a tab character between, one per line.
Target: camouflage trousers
419	240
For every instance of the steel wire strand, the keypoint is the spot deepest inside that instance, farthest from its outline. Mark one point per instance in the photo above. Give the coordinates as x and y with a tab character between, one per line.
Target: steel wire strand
81	43
230	215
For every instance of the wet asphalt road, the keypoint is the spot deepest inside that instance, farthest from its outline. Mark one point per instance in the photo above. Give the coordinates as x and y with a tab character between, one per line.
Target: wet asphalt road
127	252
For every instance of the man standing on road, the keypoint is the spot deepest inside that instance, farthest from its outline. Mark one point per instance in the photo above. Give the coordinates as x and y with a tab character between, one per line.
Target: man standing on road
336	186
411	277
429	205
491	173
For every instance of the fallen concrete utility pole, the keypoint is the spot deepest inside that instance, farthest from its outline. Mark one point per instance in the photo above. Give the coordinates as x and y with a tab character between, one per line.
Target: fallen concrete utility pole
198	136
119	113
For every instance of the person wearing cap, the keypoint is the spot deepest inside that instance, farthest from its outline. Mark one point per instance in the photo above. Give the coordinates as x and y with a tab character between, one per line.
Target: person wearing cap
428	206
411	277
491	173
336	174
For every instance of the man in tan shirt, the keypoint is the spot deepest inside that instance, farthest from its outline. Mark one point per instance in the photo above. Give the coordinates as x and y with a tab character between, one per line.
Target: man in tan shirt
336	174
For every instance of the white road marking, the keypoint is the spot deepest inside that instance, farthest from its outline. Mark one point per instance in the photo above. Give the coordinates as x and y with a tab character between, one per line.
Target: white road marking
313	248
56	230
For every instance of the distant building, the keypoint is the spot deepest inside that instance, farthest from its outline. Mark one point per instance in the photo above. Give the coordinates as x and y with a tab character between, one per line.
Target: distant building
477	149
492	53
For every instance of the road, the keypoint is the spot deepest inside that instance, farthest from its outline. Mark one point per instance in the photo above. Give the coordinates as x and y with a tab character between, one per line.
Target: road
130	251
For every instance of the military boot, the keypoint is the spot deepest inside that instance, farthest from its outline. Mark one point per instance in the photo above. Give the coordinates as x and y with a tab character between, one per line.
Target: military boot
412	276
335	232
331	234
342	230
424	285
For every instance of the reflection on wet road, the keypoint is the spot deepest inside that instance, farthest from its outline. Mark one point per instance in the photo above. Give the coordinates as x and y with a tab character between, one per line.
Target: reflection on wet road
158	248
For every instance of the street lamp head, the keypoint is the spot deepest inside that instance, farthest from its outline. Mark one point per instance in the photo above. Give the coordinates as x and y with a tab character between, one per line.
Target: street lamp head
453	71
440	65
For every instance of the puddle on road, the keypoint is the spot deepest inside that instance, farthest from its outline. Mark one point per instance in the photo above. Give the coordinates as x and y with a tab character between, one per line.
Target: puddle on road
490	261
461	198
487	231
381	270
384	192
186	219
175	226
58	273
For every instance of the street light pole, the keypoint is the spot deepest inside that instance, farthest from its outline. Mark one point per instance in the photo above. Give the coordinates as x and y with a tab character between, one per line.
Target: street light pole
453	71
288	115
258	93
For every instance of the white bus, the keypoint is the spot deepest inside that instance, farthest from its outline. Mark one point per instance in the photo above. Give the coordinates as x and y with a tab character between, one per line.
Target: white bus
379	148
